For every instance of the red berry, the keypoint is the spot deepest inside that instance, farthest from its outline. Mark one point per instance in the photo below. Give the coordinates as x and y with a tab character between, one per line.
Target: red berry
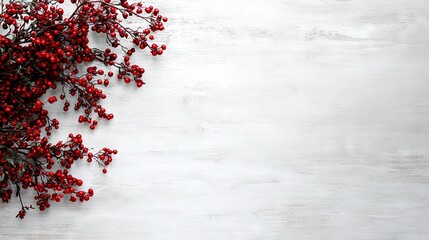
42	52
52	99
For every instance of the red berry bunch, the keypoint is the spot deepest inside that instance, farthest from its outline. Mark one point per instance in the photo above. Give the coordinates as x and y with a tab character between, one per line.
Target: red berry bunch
41	50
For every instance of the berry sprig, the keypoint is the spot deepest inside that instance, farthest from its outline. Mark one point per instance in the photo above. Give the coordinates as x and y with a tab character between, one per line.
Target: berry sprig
41	49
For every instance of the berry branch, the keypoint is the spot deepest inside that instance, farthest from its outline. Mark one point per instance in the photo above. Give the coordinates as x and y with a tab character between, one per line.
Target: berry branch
40	49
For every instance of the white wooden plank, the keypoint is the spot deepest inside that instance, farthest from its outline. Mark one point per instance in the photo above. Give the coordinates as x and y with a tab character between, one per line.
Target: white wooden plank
264	120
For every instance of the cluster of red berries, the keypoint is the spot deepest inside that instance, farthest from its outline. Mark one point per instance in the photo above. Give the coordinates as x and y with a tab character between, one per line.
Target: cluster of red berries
40	49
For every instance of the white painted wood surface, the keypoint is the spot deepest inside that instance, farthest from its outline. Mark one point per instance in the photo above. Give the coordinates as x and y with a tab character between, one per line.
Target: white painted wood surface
273	120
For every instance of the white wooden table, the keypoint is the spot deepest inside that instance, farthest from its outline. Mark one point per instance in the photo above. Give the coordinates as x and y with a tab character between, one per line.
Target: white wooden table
264	120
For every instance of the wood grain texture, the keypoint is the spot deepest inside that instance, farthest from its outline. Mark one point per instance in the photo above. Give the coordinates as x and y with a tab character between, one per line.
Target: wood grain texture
273	120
